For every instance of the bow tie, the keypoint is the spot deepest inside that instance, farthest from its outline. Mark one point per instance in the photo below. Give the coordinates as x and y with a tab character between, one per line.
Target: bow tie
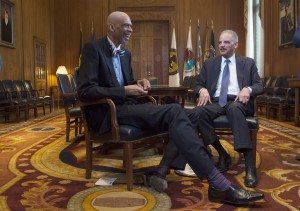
118	51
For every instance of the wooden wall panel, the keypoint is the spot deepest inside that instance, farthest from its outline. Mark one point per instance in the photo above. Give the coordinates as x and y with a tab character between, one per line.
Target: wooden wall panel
32	18
57	23
12	57
68	15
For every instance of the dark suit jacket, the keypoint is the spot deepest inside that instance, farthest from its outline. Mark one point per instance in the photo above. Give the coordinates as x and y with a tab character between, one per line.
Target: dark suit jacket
247	76
97	80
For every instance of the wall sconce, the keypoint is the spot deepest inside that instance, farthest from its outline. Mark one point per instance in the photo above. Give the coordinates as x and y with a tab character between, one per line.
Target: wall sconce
62	70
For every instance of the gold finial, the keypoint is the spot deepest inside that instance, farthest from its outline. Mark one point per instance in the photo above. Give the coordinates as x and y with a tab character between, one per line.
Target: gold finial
80	26
212	24
92	25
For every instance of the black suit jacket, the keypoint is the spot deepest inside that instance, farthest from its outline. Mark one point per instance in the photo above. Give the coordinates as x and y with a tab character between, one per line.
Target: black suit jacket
247	76
97	79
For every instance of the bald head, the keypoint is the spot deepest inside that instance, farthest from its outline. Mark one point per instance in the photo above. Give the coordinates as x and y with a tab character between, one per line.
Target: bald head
116	17
119	27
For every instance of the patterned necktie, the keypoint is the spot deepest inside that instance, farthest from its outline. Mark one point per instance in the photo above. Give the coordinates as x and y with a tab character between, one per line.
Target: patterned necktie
224	84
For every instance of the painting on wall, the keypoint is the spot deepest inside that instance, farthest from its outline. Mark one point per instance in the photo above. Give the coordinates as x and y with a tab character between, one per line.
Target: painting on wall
287	22
7	23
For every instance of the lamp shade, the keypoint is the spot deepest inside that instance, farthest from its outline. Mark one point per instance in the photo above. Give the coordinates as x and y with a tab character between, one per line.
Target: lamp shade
62	70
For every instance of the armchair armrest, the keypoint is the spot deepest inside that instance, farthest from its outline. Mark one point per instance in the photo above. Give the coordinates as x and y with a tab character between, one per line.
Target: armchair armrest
113	115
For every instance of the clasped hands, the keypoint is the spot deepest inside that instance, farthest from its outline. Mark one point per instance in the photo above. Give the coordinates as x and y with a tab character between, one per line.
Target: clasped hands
204	97
138	89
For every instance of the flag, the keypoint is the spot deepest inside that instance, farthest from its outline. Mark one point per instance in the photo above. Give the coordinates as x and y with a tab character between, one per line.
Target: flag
92	36
189	63
199	60
206	47
80	45
174	80
210	49
260	40
248	24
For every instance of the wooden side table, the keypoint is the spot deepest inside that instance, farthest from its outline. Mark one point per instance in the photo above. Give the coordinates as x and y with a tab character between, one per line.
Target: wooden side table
165	90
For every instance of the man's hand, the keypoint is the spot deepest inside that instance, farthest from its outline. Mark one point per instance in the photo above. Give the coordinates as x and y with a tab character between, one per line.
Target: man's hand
204	97
143	83
135	90
243	96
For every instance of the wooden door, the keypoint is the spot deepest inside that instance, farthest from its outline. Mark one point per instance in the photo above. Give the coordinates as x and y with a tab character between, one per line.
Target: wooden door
149	47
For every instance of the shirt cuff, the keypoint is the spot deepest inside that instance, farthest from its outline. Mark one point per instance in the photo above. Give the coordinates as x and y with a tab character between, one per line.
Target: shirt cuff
249	89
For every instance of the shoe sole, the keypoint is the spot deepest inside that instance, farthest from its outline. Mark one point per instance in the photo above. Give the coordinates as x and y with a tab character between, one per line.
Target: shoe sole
235	203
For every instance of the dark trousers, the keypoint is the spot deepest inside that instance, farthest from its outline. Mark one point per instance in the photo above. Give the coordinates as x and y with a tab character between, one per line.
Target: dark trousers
183	139
236	113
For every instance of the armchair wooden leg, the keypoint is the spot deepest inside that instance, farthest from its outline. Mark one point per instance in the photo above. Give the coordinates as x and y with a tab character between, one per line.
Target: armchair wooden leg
18	113
80	125
280	113
268	111
76	126
128	156
44	109
88	159
67	129
35	112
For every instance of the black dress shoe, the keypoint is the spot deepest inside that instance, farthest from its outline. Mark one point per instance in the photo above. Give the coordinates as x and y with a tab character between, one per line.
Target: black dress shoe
155	181
233	195
251	179
224	163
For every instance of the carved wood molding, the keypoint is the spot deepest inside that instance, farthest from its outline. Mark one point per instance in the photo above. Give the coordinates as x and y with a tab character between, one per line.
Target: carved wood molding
150	15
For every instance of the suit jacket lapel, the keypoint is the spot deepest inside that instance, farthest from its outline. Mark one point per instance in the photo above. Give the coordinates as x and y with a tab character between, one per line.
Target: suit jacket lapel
239	71
107	52
215	74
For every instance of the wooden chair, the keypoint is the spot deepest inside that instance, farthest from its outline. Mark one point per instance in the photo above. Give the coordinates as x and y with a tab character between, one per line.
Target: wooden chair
72	110
25	95
282	103
262	100
17	104
39	96
130	139
6	103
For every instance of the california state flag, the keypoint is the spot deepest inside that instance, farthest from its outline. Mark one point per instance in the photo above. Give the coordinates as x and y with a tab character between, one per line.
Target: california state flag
189	62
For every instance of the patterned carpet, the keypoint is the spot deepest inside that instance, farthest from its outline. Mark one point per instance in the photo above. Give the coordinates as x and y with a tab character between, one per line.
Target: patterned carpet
40	171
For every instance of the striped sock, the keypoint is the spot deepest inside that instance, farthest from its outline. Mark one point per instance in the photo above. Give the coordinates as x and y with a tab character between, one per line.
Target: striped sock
218	180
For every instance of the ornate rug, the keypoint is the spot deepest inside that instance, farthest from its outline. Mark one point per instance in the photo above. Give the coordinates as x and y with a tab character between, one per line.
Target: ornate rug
41	171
